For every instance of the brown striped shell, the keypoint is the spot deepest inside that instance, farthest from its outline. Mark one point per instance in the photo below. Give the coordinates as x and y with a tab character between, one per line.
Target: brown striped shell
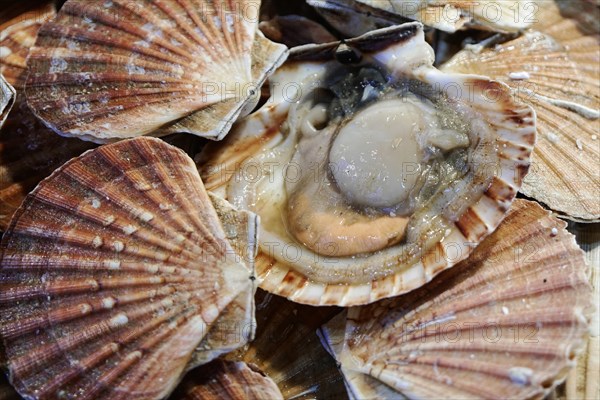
106	70
506	323
14	8
250	167
17	36
555	68
118	274
29	151
227	380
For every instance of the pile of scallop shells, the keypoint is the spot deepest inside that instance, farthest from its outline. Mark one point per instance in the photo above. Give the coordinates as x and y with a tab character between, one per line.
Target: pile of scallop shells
312	199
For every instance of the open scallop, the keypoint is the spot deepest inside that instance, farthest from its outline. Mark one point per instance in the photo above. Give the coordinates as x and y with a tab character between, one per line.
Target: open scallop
371	170
554	67
119	273
506	323
107	70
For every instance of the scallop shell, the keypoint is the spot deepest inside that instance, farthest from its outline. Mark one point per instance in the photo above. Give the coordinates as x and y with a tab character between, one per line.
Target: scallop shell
239	168
227	380
7	99
506	323
557	71
14	8
236	324
114	271
106	70
446	15
29	151
17	36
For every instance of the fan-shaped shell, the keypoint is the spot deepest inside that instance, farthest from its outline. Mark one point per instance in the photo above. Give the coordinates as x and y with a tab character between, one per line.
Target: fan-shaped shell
18	35
506	323
446	15
251	167
113	273
557	71
29	151
227	380
107	70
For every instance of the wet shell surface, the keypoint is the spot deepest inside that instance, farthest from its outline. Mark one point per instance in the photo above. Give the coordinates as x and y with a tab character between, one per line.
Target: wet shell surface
105	70
556	69
115	273
334	236
17	36
29	151
236	325
227	380
506	323
446	15
7	99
